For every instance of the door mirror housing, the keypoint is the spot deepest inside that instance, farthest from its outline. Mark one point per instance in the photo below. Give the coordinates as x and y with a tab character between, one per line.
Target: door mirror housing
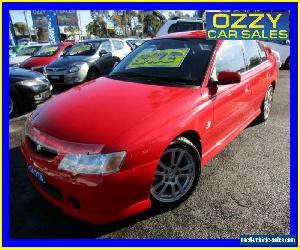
227	77
103	52
115	64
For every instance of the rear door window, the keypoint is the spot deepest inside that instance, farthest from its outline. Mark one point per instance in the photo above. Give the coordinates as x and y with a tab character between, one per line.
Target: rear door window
118	44
262	52
106	46
253	57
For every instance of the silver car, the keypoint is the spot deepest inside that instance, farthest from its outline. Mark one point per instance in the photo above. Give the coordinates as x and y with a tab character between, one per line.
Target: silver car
84	61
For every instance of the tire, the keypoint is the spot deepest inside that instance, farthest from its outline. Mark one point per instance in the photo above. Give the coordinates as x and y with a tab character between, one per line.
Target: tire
176	178
92	74
287	63
13	107
267	104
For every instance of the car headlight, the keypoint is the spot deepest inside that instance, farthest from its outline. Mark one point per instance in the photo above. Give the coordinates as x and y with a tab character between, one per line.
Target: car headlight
92	164
74	69
78	66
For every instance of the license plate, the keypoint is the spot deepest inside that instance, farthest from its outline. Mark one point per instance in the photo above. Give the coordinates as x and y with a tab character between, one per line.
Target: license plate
55	77
37	174
45	94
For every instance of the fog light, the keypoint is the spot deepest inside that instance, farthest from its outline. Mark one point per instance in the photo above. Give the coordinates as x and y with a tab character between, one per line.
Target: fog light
37	97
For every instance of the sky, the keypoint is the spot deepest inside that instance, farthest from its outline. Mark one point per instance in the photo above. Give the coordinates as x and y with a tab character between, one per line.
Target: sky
85	17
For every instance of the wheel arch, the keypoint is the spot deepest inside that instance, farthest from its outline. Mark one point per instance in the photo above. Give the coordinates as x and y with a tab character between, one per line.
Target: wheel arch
273	84
194	137
94	67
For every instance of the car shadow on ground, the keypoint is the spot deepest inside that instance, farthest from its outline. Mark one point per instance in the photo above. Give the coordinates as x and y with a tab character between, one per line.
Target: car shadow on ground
31	216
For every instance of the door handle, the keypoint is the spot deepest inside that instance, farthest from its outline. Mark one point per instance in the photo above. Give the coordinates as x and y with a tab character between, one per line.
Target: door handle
247	88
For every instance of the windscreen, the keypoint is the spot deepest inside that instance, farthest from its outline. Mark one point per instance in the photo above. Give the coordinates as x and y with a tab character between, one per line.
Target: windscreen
84	49
28	51
175	61
48	50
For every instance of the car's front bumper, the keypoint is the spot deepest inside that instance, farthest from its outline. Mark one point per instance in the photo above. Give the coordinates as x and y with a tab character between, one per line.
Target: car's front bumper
29	96
64	77
94	198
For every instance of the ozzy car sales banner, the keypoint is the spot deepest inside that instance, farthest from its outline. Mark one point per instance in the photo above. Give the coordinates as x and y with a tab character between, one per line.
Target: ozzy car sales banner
67	18
47	20
248	25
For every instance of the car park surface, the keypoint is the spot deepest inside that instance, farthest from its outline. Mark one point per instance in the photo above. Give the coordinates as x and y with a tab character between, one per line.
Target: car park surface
77	168
244	190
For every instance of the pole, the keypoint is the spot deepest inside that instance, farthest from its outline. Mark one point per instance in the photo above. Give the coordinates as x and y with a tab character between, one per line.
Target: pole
12	32
80	26
142	26
27	25
125	17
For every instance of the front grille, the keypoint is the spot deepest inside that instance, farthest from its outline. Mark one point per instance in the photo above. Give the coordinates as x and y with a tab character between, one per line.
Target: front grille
41	149
56	79
55	69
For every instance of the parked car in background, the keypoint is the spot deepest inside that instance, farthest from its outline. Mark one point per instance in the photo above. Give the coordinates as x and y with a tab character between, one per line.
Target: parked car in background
133	43
26	89
283	48
13	50
83	62
26	41
180	25
277	56
139	137
119	48
46	55
24	54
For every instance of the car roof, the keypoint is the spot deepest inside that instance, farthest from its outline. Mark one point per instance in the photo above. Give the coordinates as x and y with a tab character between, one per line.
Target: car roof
186	20
93	40
185	34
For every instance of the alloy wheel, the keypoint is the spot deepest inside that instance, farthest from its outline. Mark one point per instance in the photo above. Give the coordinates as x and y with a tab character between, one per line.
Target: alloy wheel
11	106
174	176
268	102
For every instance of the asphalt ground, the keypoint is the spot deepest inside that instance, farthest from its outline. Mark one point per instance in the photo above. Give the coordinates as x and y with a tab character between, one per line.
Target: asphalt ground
244	190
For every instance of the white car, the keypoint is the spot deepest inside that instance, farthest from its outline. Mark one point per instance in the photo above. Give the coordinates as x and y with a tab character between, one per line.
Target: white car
277	56
24	54
179	25
283	48
120	48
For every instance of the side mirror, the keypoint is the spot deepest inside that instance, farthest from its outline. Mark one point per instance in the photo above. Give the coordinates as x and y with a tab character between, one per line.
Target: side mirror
226	77
115	64
103	52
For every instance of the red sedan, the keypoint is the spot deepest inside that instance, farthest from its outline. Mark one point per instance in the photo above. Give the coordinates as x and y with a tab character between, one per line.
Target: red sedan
46	55
115	146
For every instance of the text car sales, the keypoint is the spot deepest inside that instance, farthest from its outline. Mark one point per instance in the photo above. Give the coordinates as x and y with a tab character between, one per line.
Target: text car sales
248	34
251	26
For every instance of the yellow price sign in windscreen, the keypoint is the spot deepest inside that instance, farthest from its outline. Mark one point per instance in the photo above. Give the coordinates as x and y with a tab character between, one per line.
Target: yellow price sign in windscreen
159	58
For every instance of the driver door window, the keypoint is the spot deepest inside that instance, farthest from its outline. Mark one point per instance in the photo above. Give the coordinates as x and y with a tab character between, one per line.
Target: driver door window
106	46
